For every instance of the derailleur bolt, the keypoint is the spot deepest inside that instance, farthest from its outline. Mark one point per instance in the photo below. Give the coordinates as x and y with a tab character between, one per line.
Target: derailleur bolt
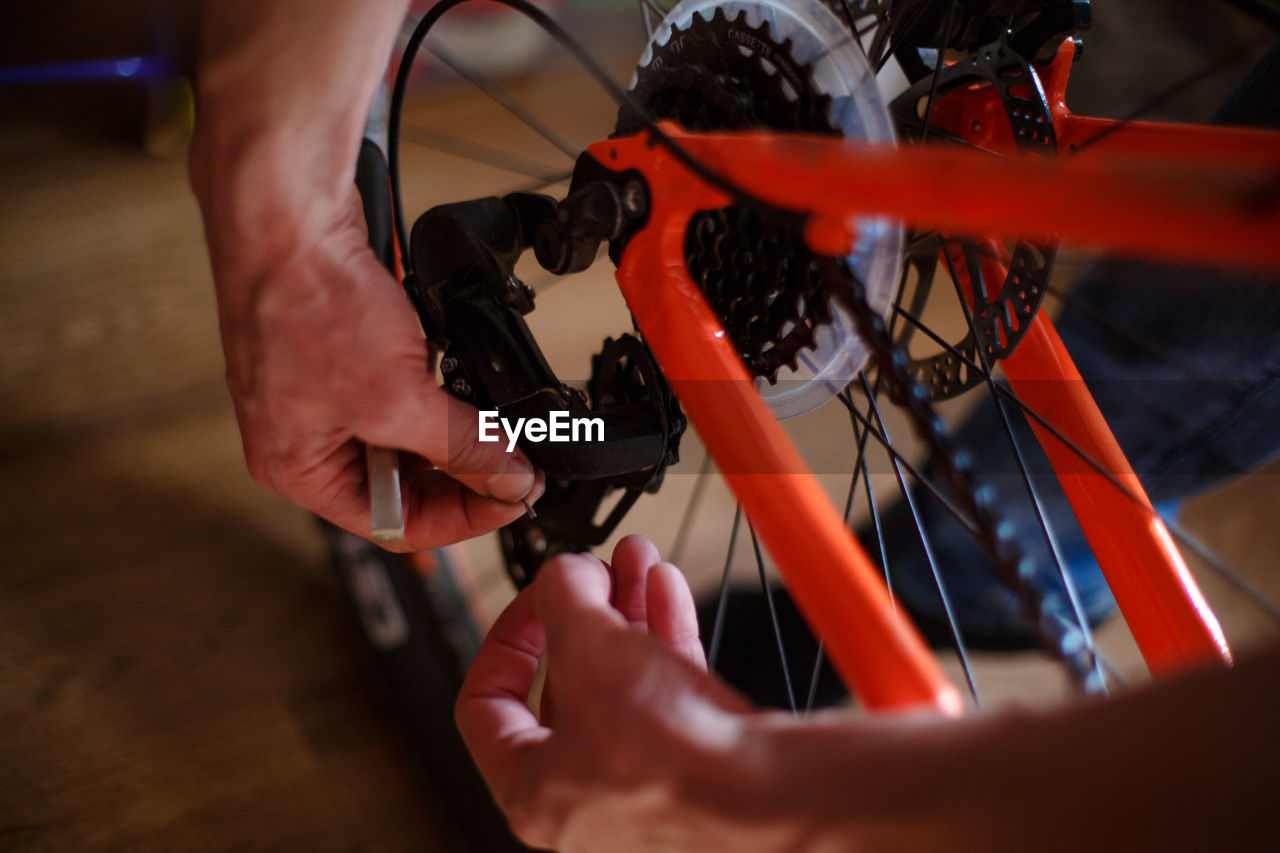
448	364
634	201
461	387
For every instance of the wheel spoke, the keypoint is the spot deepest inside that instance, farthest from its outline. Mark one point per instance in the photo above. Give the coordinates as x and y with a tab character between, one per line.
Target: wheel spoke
504	99
1222	63
937	70
1129	337
722	601
953	625
860	469
891	32
1232	575
691	510
645	18
899	460
773	617
651	6
818	659
477	152
1055	549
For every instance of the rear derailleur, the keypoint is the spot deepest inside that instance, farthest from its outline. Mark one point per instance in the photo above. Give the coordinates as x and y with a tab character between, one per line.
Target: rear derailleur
471	305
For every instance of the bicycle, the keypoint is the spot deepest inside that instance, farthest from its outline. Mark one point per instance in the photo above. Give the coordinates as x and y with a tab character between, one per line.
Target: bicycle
638	195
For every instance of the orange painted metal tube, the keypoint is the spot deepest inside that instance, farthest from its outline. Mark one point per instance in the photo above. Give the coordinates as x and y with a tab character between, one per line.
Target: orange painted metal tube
1160	600
1166	612
1088	136
1167	208
1170	620
979	116
879	654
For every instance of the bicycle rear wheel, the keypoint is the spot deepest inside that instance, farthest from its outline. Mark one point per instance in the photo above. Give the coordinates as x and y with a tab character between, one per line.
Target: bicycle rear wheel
892	475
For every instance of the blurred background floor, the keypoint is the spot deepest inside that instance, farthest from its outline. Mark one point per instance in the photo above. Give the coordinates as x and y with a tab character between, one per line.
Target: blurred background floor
176	665
176	668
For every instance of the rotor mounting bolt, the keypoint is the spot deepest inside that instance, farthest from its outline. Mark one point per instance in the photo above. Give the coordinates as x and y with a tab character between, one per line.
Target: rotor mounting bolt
633	199
448	364
461	387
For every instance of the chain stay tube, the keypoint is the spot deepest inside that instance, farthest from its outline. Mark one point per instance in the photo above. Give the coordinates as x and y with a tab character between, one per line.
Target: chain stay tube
1164	608
878	653
1161	602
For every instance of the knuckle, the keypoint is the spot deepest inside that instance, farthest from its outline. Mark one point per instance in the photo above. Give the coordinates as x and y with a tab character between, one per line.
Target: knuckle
563	574
554	574
263	469
468	455
526	816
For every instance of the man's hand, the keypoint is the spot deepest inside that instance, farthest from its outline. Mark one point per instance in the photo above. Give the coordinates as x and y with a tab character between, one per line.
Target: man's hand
637	748
324	353
636	745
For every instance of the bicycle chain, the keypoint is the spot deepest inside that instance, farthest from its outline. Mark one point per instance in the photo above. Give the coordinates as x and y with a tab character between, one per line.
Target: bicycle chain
1050	613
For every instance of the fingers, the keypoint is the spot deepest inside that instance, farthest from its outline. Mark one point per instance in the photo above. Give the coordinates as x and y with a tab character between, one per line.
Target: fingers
486	467
438	510
672	614
632	558
497	725
397	403
427	420
654	596
572	594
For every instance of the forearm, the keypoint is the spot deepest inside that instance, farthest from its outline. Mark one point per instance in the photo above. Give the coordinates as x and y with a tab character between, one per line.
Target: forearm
1189	763
284	89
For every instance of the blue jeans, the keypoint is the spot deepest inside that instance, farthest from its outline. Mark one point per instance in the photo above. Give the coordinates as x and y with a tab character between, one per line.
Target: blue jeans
1186	423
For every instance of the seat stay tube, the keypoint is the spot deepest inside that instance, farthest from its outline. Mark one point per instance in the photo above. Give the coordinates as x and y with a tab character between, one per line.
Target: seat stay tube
877	651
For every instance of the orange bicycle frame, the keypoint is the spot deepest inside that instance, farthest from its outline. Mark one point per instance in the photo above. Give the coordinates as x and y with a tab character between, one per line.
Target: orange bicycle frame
1188	194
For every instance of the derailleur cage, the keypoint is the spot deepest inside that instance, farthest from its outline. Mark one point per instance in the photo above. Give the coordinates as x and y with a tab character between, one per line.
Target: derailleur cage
471	305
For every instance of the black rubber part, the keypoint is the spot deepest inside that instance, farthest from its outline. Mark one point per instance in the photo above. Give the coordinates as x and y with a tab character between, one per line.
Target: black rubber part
375	198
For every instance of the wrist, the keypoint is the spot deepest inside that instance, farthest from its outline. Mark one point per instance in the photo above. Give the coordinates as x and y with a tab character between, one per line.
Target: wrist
283	95
837	782
732	784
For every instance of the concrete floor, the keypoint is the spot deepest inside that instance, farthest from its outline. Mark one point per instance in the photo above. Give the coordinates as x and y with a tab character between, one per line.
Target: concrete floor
176	667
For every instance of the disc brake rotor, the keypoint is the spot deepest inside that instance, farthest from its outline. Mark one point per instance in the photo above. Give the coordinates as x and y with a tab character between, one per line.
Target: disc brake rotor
785	66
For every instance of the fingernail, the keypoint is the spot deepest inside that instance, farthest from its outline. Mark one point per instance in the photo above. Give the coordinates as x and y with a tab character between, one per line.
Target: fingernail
513	483
539	486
